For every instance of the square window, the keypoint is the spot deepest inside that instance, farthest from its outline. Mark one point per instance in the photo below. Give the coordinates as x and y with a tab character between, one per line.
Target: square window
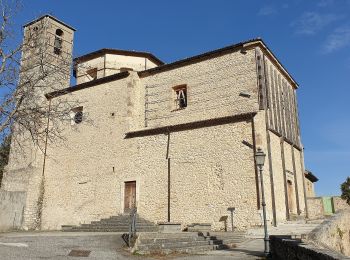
180	96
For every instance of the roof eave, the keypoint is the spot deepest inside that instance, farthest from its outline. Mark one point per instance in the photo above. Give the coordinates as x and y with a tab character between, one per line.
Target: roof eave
50	16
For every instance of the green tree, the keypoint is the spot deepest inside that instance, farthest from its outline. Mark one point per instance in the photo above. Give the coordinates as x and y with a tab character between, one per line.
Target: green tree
345	190
4	154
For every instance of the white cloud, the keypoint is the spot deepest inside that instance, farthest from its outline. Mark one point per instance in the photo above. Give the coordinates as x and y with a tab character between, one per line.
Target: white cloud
339	39
267	10
312	22
325	3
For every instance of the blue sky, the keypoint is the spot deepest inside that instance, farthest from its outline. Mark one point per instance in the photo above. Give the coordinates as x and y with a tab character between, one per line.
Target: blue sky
311	38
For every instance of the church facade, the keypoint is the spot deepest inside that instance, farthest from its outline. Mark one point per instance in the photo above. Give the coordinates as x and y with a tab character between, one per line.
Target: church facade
177	141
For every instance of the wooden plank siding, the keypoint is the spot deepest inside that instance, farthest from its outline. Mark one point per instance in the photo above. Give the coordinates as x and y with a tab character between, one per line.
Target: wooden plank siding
274	100
282	110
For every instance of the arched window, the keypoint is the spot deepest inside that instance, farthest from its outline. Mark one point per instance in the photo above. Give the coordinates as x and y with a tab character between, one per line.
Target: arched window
58	42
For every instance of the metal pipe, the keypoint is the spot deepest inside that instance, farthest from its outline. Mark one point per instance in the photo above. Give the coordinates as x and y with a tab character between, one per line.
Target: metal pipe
168	189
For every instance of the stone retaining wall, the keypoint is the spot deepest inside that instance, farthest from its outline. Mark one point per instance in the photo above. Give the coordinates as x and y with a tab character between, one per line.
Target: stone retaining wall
334	233
283	247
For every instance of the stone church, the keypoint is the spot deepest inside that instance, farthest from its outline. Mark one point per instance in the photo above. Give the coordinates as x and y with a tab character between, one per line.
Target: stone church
177	141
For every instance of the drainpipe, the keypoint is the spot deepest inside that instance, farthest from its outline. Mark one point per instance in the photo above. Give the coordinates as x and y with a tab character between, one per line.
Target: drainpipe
169	179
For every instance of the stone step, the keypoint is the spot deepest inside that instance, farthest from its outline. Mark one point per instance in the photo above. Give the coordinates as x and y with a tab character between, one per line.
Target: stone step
166	240
156	235
188	250
171	244
117	225
107	229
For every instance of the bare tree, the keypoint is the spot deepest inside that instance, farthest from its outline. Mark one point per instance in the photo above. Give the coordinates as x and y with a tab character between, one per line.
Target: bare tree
28	71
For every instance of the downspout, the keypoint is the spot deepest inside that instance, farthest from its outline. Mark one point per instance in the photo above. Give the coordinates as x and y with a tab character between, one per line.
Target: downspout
169	179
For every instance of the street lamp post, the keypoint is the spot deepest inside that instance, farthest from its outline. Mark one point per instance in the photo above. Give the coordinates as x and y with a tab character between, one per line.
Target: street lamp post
260	160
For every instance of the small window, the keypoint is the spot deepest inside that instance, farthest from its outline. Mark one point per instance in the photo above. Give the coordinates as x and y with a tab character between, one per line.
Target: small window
180	96
76	115
59	32
92	73
58	42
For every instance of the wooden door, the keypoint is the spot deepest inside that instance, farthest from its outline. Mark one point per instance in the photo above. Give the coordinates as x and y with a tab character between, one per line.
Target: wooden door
129	196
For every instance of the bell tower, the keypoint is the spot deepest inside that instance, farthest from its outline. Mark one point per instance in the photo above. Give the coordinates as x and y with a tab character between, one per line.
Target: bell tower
47	53
45	66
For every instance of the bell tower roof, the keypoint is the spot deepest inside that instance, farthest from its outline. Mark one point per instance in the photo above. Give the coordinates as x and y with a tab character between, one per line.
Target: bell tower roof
51	17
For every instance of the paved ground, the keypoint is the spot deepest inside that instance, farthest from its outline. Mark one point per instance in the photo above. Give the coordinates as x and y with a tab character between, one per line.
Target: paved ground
252	249
57	245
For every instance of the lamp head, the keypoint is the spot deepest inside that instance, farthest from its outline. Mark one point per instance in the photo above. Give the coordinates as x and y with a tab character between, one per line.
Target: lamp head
260	157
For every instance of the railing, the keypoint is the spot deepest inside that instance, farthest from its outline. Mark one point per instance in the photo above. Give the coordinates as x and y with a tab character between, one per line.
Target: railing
132	227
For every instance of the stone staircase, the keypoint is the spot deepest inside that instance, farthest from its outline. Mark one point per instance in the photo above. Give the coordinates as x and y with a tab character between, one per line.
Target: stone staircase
119	223
185	242
296	229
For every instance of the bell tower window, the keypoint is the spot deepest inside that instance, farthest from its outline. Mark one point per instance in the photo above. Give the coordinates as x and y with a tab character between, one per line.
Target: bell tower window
58	42
180	96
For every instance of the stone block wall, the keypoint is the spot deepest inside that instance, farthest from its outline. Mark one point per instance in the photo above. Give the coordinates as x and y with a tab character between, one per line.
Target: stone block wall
339	204
315	207
11	209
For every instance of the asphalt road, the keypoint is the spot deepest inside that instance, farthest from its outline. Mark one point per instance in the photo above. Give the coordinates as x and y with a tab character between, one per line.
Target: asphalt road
59	245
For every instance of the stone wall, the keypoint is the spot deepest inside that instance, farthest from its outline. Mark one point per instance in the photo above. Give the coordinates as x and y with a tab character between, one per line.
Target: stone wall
339	204
211	166
11	209
214	88
315	207
334	233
